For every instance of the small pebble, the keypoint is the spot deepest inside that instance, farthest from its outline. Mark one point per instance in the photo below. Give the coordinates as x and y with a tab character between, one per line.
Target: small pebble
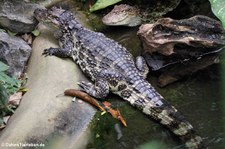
80	101
74	99
118	131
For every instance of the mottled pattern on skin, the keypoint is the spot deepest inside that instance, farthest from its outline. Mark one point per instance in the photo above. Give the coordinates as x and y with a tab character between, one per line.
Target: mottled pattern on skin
121	87
126	15
113	69
123	15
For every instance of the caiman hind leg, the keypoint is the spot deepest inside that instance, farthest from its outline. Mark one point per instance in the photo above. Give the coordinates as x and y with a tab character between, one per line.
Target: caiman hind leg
142	66
65	50
100	90
106	80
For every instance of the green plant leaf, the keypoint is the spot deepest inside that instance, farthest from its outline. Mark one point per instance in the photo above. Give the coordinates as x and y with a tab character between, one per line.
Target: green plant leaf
8	85
11	84
2	30
11	33
3	67
36	32
6	79
100	4
218	8
3	96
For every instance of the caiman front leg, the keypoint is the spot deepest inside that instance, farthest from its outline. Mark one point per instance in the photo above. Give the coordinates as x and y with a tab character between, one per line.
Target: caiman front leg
65	50
142	66
106	80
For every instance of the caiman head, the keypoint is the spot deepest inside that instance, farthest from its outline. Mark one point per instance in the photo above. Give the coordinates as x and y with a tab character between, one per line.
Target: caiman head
122	15
57	16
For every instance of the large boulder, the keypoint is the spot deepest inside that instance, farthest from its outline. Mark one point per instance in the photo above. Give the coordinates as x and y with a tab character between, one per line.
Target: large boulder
15	52
167	36
17	16
42	117
179	48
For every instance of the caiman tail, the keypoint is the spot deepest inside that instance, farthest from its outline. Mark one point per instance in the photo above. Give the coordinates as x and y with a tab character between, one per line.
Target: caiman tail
144	97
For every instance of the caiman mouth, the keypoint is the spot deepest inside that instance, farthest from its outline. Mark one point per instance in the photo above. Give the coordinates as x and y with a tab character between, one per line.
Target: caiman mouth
119	19
110	21
122	15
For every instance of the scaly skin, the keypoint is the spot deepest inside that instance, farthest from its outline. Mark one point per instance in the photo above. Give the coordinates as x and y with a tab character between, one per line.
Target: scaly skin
112	68
126	15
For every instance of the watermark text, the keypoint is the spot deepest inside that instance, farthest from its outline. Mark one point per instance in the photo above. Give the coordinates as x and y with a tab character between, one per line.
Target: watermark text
22	145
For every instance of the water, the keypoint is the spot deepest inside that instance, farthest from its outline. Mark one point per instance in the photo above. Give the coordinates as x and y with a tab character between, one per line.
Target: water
198	97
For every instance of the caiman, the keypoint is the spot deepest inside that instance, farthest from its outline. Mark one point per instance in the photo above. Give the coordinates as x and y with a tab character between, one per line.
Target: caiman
126	15
113	69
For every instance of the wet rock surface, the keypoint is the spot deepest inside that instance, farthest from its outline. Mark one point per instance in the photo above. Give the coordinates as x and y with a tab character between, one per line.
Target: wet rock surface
184	69
166	34
42	117
181	47
17	16
15	52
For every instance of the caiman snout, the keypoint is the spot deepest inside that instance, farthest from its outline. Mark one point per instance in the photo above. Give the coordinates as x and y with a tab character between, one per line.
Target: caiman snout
40	14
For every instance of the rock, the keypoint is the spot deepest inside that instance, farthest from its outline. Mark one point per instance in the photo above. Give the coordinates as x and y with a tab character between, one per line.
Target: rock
187	68
179	48
166	36
42	117
17	16
157	61
14	52
48	3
